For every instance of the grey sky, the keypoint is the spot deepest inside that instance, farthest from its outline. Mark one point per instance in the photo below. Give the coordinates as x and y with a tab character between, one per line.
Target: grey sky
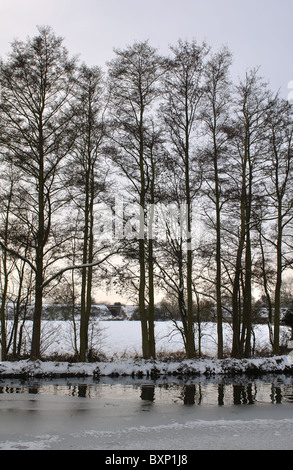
258	32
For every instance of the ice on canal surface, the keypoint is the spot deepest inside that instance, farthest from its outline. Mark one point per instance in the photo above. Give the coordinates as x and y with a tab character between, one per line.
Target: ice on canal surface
121	417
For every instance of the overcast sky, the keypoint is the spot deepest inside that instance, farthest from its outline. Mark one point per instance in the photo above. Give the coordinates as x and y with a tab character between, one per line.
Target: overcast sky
258	32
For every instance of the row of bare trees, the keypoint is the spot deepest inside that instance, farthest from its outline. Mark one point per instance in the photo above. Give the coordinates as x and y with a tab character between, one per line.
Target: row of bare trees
206	160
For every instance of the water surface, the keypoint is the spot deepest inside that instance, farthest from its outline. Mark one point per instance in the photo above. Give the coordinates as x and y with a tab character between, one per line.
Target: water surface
198	392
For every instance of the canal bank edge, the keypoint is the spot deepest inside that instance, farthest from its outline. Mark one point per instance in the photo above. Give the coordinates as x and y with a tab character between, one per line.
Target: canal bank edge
148	368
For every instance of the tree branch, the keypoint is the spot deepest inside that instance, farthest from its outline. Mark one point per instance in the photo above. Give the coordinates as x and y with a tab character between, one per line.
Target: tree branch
15	253
78	266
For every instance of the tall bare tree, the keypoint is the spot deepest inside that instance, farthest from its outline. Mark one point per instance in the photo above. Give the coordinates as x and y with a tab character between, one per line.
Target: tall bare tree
87	177
36	84
279	169
252	104
183	90
215	114
134	75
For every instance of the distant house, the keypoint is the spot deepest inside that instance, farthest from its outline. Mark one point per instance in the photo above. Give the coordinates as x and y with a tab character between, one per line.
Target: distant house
100	311
116	311
109	312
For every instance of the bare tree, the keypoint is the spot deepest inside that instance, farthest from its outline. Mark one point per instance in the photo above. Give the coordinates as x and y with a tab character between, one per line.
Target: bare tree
278	168
36	84
249	132
15	273
215	114
7	265
183	90
87	177
134	75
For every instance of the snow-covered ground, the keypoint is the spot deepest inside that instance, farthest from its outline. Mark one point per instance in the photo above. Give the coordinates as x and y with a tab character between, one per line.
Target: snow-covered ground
119	345
123	338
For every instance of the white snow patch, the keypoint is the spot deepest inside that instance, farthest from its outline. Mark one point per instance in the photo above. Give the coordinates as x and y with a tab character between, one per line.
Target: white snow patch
140	367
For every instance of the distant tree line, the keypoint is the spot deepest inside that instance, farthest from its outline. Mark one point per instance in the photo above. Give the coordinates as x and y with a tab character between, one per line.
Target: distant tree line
170	137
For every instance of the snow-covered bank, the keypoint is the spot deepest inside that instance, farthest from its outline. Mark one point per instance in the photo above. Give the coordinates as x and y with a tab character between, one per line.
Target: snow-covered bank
144	368
120	343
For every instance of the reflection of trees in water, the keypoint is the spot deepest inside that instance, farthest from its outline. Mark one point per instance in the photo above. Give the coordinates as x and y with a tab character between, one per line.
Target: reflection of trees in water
276	394
189	392
82	390
221	394
148	392
201	393
244	394
8	390
237	394
288	392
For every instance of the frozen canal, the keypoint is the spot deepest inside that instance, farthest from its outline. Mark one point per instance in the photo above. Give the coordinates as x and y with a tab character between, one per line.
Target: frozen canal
145	415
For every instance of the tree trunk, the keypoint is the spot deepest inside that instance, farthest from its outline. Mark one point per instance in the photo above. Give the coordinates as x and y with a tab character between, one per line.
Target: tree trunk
142	256
141	301
247	301
83	321
5	286
36	337
190	320
17	311
218	257
90	257
181	300
276	346
151	309
40	241
2	314
236	344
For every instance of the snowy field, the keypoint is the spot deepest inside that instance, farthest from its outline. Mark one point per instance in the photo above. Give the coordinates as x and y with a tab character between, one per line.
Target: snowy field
118	347
123	338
